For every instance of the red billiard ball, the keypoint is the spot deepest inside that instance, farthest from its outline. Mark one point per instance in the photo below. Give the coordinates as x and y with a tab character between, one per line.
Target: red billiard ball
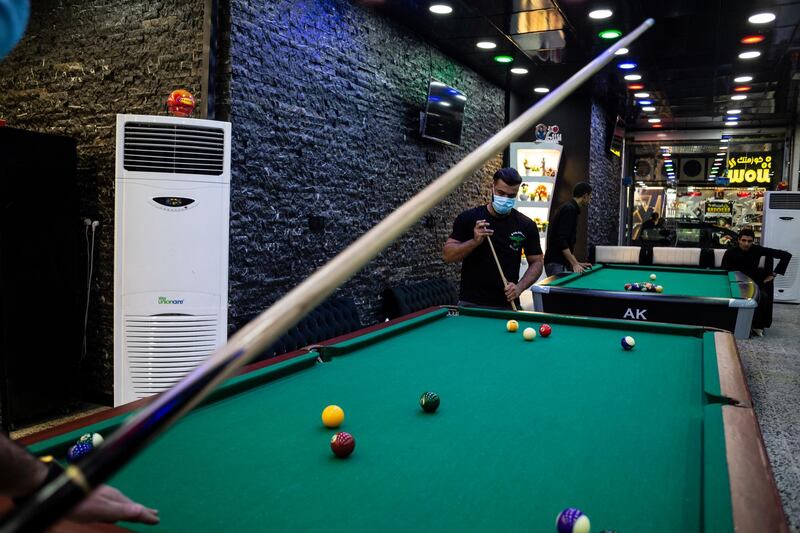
545	330
343	444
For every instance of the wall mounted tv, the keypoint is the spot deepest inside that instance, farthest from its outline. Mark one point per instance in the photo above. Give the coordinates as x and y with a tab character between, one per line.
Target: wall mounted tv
444	114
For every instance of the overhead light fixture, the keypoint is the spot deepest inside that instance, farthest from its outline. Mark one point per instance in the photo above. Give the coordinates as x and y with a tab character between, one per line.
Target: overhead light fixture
742	79
649	108
742	88
645	102
739	97
653	120
721	153
725	140
621	52
628	65
541	90
661	135
718	159
750	54
599	14
761	18
503	59
657	125
723	147
752	39
441	9
635	86
641	95
486	45
519	70
610	34
731	123
733	111
633	77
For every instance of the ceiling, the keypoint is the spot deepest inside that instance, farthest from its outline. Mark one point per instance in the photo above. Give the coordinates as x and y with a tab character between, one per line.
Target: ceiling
688	60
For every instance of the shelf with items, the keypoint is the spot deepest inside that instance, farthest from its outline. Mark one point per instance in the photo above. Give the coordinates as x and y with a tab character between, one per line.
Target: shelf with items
537	164
521	203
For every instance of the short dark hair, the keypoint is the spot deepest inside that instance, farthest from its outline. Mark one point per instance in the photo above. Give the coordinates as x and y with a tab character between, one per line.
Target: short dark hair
654	215
508	175
581	189
747	233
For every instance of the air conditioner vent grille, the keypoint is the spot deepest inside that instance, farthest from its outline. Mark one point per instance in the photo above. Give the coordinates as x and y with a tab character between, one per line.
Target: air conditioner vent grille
173	148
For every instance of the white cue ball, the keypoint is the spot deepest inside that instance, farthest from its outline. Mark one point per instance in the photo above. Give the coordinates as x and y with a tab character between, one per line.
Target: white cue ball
529	334
653	277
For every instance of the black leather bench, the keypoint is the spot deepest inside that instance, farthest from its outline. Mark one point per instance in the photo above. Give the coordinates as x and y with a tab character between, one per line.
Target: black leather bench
404	299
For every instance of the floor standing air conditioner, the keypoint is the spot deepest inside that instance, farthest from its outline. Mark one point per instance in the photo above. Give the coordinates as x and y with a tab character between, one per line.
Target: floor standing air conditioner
170	249
781	230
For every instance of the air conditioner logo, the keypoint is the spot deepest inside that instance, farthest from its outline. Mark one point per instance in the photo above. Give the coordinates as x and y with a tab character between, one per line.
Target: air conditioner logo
163	300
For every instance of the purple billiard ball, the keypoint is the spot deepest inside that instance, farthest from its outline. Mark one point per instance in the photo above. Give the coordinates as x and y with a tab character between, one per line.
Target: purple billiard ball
572	520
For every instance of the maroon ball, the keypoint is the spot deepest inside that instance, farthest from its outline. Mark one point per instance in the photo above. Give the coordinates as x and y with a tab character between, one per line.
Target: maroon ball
343	444
545	330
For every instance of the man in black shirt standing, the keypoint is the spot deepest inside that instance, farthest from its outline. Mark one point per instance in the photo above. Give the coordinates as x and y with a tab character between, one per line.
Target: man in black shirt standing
745	257
511	232
563	233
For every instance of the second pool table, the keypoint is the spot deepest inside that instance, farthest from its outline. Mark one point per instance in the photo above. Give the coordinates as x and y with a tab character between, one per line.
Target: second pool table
661	438
694	296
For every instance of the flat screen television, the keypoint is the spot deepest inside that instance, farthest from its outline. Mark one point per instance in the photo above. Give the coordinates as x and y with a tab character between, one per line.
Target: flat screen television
617	135
444	114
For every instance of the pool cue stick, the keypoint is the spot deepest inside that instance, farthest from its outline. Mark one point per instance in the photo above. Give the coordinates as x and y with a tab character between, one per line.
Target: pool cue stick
500	269
56	498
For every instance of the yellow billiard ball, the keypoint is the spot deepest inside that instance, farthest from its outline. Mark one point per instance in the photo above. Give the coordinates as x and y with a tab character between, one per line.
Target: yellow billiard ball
332	416
529	334
512	326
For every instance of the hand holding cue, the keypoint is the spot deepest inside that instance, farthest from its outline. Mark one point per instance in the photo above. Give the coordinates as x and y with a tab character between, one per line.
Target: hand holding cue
499	269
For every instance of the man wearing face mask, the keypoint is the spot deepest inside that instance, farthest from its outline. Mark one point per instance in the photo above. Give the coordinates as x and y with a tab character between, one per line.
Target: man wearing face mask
511	233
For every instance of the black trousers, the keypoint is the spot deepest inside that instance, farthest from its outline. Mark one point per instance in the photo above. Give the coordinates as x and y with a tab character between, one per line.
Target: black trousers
763	315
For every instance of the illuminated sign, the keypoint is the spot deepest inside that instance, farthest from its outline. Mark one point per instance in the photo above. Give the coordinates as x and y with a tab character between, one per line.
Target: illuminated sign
719	208
750	169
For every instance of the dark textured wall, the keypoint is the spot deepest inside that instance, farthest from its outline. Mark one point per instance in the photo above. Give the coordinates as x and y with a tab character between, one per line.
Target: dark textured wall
80	63
605	178
325	99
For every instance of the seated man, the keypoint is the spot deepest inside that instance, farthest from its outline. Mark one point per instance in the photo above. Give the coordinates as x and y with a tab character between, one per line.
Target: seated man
745	257
655	222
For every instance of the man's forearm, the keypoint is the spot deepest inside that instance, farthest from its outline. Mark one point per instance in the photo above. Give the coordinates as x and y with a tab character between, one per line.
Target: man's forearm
531	274
571	259
20	472
454	252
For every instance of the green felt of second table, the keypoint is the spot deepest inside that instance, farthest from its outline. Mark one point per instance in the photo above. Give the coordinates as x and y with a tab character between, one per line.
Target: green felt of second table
675	280
525	429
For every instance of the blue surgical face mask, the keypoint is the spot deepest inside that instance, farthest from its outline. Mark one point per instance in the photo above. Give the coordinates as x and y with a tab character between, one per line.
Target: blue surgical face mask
502	205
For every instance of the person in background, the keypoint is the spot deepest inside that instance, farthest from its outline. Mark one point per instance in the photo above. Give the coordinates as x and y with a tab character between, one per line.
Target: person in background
563	232
654	222
746	258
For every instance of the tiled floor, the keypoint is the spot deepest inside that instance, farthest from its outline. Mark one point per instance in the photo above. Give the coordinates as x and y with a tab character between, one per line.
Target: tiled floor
772	366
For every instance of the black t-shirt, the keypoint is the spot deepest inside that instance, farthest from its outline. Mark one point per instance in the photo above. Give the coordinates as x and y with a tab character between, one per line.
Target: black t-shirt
747	262
562	233
480	280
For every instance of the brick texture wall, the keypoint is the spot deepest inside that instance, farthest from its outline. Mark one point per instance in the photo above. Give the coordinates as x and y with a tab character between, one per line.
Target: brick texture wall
80	63
325	99
605	178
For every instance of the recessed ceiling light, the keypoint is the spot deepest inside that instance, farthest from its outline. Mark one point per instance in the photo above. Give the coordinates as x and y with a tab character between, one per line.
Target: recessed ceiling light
541	90
739	97
732	117
621	52
641	95
628	65
648	108
645	102
723	147
742	88
653	120
503	59
633	77
599	14
486	45
657	125
731	123
635	86
519	70
718	159
721	153
749	55
761	18
743	79
441	9
610	34
752	39
733	111
725	140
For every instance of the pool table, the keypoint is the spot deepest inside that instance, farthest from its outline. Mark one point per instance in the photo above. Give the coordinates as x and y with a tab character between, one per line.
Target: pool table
694	296
661	438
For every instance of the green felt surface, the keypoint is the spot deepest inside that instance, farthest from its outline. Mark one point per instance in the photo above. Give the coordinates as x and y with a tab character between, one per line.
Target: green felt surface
524	430
676	281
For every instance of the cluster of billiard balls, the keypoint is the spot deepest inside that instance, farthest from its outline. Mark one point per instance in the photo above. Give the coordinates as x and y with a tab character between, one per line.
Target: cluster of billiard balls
573	520
645	286
529	334
343	443
86	443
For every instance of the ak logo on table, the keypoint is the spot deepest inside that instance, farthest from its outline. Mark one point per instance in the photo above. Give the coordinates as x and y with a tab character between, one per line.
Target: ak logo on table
517	239
635	314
